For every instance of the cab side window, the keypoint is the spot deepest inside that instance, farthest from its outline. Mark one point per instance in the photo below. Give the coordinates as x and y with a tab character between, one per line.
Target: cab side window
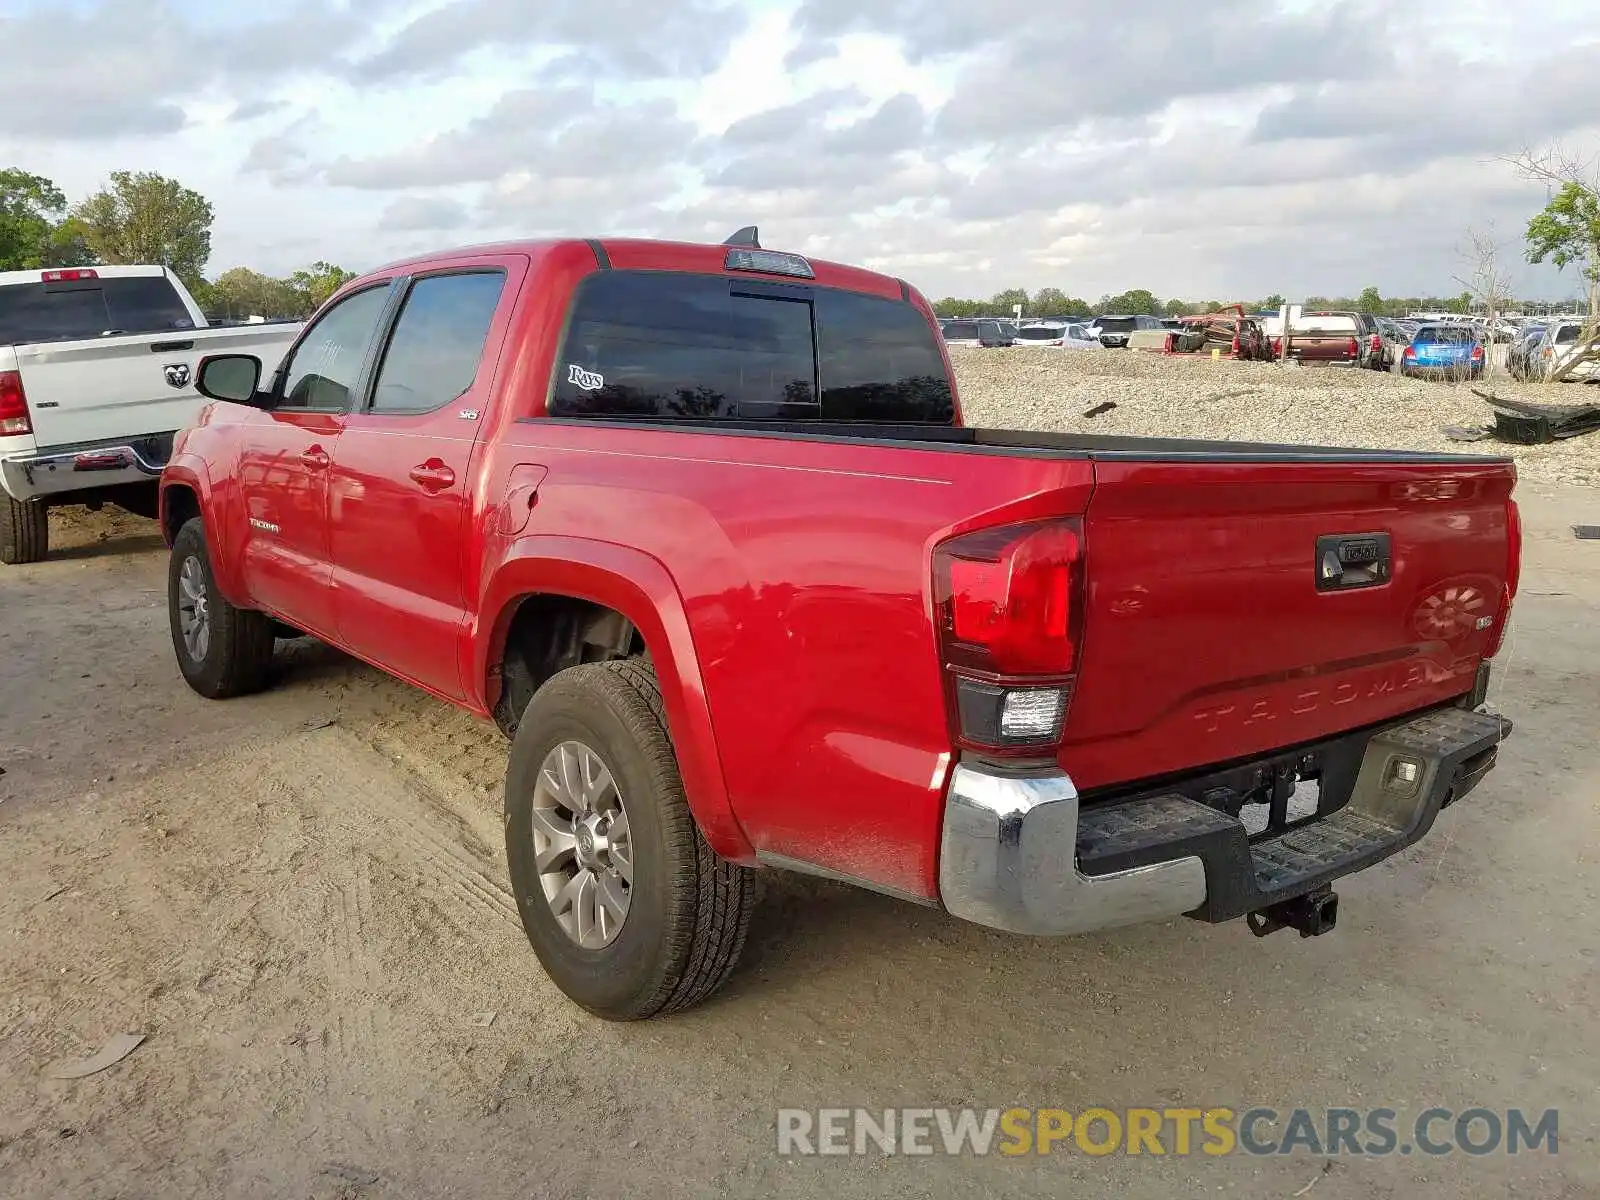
438	341
321	373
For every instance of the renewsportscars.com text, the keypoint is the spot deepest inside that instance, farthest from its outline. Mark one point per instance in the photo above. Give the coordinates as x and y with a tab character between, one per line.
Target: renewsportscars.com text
1213	1131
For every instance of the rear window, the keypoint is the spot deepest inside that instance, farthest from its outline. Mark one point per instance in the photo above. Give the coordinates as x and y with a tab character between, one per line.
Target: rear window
660	345
88	308
961	331
1445	336
1117	324
1566	335
1312	323
1039	333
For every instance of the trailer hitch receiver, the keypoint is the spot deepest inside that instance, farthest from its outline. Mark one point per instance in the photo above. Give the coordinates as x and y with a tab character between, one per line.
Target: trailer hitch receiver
1313	914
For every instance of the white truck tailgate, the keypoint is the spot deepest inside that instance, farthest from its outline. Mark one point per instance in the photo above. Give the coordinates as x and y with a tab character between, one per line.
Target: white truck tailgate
112	387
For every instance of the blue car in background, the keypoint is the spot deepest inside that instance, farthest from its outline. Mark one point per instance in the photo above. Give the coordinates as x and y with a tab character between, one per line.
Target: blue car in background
1449	351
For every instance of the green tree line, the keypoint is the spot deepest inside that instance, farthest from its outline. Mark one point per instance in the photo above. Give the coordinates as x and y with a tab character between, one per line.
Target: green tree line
144	217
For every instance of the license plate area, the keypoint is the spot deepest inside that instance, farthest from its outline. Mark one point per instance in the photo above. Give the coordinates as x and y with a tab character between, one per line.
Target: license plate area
1277	793
1352	560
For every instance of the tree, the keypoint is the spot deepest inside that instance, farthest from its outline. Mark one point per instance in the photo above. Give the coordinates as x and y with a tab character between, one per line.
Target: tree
143	217
1486	284
1370	302
1176	308
1053	302
1273	301
1135	302
319	281
241	293
1567	233
951	306
30	212
1003	302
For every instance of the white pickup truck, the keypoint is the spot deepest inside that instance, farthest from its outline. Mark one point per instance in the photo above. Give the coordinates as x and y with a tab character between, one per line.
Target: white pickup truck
97	369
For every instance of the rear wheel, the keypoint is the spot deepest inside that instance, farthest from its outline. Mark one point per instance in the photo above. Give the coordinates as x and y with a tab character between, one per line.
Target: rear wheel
629	910
222	650
24	531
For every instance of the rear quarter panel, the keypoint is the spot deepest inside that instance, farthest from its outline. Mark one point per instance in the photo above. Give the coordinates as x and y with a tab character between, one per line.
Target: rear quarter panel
802	571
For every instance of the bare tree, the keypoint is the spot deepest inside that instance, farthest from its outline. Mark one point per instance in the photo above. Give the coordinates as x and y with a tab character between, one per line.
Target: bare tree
1567	232
1489	285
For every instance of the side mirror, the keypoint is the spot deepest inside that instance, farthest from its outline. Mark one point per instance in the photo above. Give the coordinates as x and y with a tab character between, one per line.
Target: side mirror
232	377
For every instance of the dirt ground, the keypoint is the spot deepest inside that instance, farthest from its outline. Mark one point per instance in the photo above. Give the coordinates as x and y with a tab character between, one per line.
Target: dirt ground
300	900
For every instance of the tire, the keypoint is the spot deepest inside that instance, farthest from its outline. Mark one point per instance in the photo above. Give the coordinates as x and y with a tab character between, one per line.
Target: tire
24	531
236	653
687	911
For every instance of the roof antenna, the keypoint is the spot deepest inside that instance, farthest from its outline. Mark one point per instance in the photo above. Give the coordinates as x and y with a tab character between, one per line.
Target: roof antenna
745	237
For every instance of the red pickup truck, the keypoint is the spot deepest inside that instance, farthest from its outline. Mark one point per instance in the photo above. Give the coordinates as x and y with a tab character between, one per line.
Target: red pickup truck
700	528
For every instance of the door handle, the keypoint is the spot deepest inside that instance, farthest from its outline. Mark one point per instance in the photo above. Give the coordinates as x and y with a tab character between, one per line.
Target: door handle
433	475
315	456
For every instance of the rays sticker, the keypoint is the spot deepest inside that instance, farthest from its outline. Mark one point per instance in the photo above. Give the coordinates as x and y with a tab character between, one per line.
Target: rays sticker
589	381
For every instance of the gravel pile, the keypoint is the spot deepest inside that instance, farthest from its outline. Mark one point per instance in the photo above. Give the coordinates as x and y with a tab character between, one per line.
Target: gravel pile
1163	396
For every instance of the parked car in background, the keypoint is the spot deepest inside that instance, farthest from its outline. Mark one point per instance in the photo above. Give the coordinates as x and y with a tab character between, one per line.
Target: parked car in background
701	529
977	332
1521	355
1057	334
1328	338
1395	337
1444	351
1559	344
97	369
1080	337
1114	331
1374	349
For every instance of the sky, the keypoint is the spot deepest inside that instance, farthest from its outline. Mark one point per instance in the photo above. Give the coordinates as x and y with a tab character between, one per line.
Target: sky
1222	150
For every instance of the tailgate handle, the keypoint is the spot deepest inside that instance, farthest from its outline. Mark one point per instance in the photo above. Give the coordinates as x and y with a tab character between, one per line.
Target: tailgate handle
1353	560
170	347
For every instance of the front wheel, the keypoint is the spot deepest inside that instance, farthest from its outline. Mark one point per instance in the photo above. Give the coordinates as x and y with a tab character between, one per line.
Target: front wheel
222	651
629	910
24	531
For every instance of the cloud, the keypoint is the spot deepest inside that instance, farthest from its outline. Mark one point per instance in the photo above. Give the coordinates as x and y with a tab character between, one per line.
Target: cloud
551	133
125	68
636	38
424	214
1222	149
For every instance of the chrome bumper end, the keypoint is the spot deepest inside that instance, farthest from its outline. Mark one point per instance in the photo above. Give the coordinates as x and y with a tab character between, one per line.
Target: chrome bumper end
1008	859
76	469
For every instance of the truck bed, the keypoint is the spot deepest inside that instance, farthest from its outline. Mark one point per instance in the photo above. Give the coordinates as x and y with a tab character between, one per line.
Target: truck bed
1037	443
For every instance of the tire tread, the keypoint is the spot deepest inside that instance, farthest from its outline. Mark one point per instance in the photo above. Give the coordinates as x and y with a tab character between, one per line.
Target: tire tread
241	638
24	532
722	894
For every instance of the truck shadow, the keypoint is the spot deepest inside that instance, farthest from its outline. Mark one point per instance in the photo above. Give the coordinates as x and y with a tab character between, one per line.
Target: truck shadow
110	546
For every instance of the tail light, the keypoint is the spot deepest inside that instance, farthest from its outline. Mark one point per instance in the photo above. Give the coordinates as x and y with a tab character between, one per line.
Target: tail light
13	405
1234	348
1375	345
1513	577
1477	353
1355	348
1277	347
1010	604
1411	352
72	276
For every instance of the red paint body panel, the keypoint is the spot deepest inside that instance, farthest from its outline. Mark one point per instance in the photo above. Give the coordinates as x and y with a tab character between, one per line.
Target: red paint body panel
782	584
1203	572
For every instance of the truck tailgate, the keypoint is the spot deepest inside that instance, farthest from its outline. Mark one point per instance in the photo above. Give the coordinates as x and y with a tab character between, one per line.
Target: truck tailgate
1210	637
114	387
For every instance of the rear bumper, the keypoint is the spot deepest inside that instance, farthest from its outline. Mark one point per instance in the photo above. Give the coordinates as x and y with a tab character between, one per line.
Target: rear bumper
1019	853
1462	370
78	468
